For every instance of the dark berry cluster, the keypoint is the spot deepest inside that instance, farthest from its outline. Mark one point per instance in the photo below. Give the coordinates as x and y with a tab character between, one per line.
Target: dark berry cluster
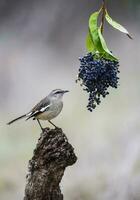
97	74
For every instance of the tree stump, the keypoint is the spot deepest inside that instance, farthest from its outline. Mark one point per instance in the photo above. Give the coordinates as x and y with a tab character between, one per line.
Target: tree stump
51	156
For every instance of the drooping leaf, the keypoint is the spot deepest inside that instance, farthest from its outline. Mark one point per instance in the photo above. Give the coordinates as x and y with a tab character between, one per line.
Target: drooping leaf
108	54
89	43
97	38
116	25
93	29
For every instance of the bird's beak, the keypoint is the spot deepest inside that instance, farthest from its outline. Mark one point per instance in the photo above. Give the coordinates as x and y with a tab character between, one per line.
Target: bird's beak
65	91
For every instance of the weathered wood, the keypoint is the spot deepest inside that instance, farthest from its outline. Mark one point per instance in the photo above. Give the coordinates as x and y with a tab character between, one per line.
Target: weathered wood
51	156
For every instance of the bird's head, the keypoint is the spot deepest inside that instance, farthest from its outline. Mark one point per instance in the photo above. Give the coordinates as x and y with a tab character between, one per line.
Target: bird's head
57	94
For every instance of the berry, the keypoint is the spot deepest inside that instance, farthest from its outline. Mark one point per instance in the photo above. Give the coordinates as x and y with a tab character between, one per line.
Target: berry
97	74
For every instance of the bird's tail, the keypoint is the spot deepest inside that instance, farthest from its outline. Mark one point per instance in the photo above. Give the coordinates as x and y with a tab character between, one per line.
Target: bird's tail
16	119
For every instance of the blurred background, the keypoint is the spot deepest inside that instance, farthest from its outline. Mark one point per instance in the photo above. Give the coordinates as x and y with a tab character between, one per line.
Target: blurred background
40	42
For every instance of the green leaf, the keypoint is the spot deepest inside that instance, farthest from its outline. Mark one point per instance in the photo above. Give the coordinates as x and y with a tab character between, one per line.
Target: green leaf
116	25
97	38
93	29
89	43
108	54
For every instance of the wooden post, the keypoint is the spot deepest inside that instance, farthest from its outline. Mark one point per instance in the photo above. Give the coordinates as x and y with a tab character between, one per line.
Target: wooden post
51	156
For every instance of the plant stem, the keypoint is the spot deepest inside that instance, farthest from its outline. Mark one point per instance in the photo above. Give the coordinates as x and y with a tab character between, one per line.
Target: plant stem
103	15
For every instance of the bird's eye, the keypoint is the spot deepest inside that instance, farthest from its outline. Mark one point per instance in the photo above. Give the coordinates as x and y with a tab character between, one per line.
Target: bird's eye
58	92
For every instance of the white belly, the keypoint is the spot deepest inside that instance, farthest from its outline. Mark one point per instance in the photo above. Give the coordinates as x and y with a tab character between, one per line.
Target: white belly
52	112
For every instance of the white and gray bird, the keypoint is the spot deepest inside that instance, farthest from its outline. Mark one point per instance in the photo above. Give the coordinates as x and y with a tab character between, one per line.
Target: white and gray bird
47	109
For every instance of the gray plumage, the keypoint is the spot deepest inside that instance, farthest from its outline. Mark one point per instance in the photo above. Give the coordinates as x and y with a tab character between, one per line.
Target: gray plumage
47	109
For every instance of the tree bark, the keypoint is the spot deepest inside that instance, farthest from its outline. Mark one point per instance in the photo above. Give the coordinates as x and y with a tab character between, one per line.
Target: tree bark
51	156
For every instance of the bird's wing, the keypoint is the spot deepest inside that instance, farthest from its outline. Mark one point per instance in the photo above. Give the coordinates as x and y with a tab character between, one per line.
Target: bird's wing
42	106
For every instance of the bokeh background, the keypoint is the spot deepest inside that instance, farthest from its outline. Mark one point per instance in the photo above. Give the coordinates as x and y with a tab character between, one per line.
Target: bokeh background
40	42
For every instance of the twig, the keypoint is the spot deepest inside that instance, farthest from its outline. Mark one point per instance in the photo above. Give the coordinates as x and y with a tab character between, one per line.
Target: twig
103	16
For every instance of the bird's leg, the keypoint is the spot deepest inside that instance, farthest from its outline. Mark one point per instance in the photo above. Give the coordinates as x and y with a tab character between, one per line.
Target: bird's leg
52	124
40	124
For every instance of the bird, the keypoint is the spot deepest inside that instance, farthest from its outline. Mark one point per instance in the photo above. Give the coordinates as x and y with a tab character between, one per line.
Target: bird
47	109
